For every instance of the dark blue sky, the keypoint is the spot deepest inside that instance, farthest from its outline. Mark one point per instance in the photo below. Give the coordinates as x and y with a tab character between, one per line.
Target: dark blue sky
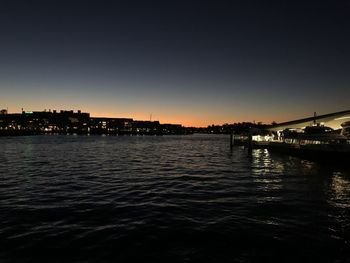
191	62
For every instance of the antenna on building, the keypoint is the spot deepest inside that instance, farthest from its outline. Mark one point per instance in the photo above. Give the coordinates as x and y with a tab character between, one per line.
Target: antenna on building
150	117
315	116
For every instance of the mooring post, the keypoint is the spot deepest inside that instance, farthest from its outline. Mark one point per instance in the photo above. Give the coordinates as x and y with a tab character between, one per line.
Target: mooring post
231	140
250	143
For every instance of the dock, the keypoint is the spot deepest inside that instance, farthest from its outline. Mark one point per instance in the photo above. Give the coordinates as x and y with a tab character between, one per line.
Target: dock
310	138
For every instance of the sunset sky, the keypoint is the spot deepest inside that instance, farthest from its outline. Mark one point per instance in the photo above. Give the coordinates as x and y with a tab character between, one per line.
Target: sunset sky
191	62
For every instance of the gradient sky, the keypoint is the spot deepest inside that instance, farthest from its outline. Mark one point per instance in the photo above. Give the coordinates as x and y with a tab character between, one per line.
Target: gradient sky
190	62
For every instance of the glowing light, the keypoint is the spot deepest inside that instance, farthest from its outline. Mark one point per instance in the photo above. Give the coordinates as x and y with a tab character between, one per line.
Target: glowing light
342	118
261	138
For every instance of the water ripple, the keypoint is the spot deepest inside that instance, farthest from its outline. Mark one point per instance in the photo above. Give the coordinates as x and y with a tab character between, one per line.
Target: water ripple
173	199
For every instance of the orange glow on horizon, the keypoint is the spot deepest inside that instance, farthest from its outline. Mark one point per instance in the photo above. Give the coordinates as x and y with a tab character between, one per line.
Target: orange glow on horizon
191	119
187	122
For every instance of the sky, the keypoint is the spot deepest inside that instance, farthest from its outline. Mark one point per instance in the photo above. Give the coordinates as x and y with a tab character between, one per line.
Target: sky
191	62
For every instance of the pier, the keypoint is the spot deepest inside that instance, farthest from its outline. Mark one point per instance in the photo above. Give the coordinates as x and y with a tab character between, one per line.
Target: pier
322	138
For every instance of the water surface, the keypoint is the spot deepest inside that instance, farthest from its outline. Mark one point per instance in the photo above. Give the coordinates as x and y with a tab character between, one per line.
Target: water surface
167	199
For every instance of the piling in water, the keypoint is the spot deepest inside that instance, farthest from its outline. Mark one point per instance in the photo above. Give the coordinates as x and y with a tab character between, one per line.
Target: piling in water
231	140
250	142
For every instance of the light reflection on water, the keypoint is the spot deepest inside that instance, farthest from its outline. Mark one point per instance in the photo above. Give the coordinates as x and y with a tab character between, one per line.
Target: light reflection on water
175	198
340	190
266	175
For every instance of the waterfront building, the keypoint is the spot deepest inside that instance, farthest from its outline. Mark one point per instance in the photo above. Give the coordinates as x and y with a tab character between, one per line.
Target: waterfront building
173	129
100	125
70	122
46	121
146	127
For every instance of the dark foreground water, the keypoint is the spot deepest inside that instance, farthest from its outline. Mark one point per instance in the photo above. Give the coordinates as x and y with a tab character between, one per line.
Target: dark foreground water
167	199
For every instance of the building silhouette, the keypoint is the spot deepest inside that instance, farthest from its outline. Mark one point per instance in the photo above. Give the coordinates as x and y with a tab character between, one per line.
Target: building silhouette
71	122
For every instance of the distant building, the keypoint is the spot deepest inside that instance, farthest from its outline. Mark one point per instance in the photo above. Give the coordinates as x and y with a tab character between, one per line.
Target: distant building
46	121
146	127
36	122
173	129
110	125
